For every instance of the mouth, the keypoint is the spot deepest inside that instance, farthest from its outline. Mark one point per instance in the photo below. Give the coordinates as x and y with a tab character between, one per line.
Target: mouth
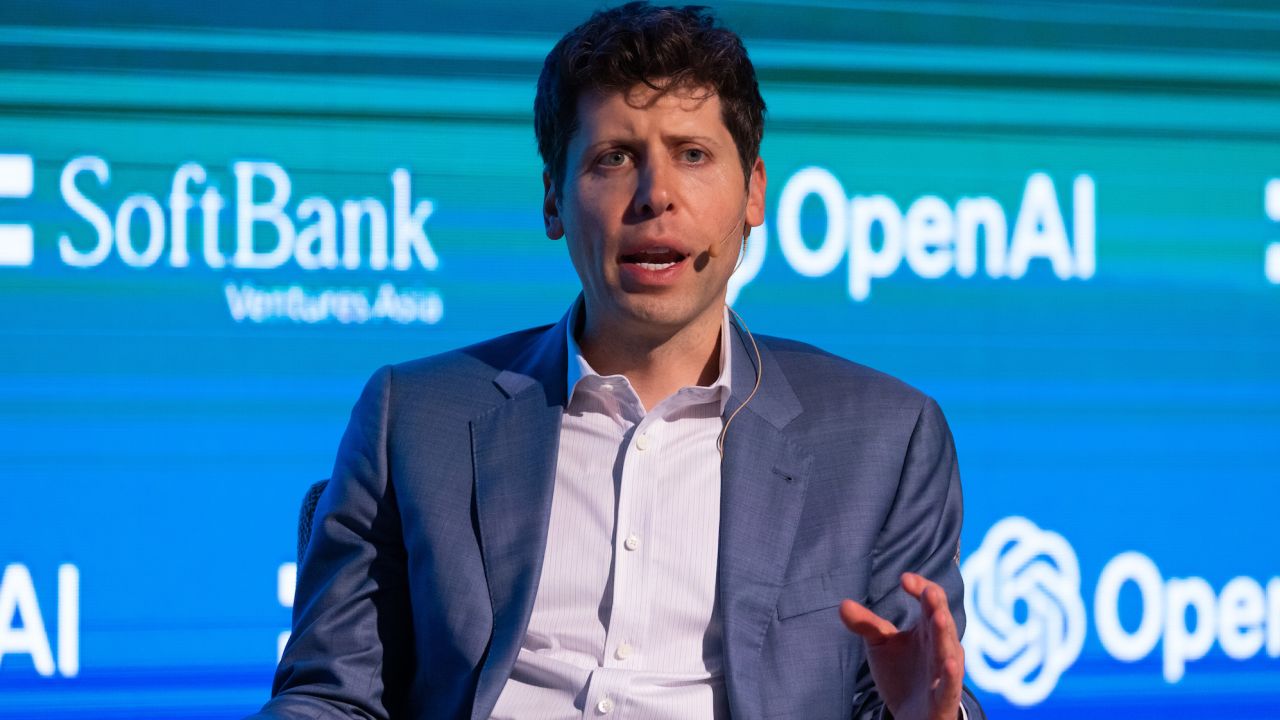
651	268
654	259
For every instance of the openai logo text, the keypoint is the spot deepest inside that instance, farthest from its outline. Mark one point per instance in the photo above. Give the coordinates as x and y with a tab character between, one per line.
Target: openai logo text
1027	616
933	237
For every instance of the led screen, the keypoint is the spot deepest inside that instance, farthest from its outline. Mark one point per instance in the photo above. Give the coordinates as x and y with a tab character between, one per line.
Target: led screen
1062	221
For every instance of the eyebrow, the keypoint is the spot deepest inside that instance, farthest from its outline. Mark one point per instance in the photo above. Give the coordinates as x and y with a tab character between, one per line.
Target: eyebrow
675	139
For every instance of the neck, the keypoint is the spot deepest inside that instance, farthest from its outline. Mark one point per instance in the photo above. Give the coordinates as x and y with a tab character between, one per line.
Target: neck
657	363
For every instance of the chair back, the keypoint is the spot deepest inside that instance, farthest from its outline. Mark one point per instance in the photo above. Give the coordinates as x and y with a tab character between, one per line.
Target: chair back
306	515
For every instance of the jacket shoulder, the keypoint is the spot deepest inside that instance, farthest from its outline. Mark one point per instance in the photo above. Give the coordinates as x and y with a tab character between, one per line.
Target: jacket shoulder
463	378
485	359
820	378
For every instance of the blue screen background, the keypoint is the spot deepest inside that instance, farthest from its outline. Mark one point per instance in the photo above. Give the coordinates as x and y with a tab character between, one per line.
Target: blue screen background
160	442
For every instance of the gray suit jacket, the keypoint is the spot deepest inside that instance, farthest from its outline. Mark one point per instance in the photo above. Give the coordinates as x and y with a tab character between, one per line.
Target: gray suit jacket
419	580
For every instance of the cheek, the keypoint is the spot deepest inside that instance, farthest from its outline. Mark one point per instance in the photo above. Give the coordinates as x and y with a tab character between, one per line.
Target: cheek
589	227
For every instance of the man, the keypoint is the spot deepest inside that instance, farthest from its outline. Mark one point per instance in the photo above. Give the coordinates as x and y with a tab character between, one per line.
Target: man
642	511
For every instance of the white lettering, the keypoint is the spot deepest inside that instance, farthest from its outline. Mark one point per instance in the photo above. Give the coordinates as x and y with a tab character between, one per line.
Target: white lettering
932	237
816	181
1039	230
1273	617
409	230
1271	202
353	211
1180	642
865	262
155	230
85	208
68	620
294	303
286	586
18	602
985	214
1136	568
248	213
1240	614
313	244
1083	225
407	307
1236	618
929	236
317	245
211	205
179	204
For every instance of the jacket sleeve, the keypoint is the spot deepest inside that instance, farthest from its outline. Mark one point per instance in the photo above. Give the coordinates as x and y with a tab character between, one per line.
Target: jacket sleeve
350	652
922	535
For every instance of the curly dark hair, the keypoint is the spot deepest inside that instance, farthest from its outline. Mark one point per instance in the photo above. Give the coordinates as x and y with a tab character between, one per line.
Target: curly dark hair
618	48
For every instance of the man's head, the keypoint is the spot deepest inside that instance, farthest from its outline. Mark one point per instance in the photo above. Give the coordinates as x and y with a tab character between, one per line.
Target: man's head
638	43
649	120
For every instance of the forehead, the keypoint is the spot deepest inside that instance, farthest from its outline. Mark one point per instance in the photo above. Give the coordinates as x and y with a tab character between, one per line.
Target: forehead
642	110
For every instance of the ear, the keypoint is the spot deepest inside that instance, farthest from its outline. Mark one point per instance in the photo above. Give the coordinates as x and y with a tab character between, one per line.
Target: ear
755	196
551	208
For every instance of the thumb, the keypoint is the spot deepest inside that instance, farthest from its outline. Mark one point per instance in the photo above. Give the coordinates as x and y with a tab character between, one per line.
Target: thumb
862	622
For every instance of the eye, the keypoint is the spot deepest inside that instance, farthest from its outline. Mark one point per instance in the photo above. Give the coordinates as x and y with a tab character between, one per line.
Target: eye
613	158
694	156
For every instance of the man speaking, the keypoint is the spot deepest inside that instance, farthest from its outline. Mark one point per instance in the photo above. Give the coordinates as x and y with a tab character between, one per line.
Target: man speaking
642	511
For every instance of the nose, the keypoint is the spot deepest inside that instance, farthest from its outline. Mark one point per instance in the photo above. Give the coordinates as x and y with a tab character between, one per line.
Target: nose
654	193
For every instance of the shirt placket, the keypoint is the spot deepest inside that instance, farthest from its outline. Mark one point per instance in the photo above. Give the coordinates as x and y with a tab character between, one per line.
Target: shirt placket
631	601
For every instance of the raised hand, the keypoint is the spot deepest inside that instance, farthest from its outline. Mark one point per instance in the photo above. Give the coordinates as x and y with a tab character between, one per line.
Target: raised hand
918	671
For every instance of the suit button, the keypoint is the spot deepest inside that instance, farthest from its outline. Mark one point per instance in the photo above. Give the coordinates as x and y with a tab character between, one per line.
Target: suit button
642	442
632	542
623	652
605	706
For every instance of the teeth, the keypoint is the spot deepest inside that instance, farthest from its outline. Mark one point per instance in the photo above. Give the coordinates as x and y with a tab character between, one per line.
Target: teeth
655	266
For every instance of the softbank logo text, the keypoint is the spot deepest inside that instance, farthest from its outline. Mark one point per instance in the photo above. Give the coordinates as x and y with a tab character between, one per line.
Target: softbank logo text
1027	622
932	236
269	231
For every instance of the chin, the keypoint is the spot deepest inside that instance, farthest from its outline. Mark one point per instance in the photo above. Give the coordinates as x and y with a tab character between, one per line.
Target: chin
660	312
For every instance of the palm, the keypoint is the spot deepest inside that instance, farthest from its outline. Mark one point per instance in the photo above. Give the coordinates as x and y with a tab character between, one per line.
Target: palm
918	671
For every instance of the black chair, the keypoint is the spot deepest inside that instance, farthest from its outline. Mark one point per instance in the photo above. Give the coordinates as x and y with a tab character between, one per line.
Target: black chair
306	515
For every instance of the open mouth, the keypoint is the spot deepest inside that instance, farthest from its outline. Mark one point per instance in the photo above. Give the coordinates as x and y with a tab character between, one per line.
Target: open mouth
654	259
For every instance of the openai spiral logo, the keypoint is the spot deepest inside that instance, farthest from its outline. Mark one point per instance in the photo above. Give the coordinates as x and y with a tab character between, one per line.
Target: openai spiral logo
1026	617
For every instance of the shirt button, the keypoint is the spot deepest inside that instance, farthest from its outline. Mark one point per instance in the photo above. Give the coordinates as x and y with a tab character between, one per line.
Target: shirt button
605	706
623	652
642	442
632	542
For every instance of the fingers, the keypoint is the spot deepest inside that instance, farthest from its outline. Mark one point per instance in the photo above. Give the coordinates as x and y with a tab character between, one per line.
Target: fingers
869	626
933	599
943	639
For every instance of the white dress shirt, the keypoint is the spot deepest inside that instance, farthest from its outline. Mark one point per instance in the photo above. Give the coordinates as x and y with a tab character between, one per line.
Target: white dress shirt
625	623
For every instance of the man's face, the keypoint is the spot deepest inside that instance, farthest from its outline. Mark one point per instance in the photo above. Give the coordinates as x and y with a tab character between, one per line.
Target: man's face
654	207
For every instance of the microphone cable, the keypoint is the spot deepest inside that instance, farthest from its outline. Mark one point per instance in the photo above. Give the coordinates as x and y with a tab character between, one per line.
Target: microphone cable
759	367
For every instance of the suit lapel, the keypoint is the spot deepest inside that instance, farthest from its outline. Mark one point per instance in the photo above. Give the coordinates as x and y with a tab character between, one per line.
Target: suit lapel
514	448
763	481
515	445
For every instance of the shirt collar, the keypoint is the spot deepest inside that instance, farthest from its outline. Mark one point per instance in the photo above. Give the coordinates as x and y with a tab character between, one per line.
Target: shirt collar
578	368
